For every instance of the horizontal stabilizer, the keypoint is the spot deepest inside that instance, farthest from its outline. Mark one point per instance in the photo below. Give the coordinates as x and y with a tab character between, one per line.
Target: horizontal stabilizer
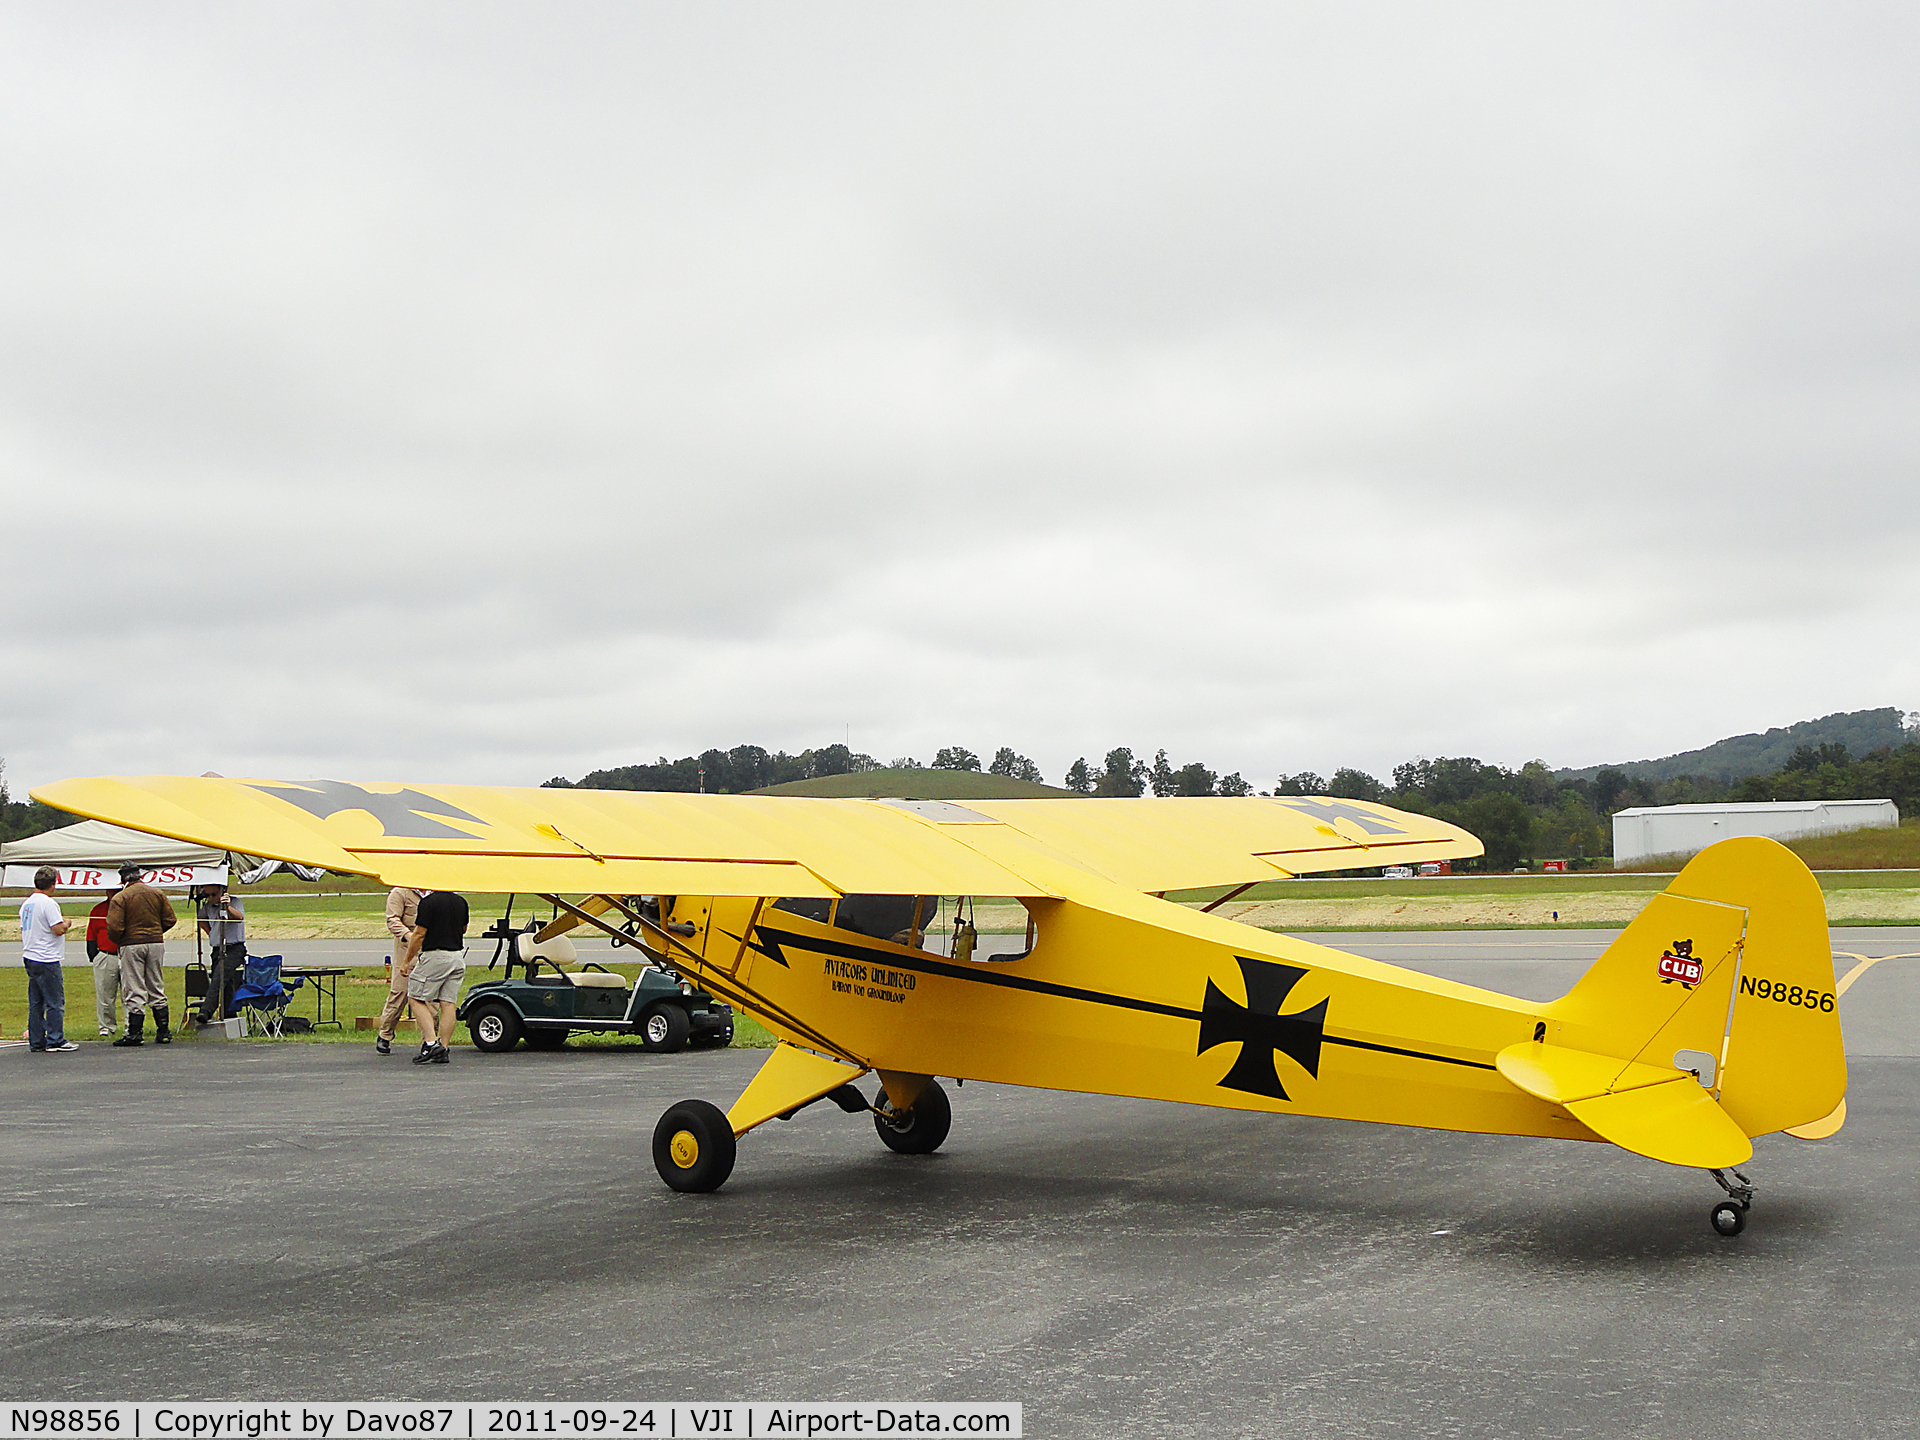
1821	1129
1677	1122
1661	1113
1562	1074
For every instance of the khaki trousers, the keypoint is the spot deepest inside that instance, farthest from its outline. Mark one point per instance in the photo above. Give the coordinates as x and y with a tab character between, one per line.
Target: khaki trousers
143	986
106	989
395	1010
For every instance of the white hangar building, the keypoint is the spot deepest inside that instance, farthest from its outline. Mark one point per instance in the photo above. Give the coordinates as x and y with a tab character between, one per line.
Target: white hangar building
1682	829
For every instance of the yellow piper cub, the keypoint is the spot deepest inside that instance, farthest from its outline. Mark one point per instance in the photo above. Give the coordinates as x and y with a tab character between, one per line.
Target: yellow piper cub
1710	1020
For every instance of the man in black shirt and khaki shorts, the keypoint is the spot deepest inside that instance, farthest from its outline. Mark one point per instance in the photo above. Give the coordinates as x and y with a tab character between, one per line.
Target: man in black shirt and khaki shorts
433	985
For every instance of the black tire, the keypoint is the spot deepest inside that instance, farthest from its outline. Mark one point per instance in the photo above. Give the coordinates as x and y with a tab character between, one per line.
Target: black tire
546	1037
664	1027
920	1130
713	1039
1728	1218
494	1028
693	1147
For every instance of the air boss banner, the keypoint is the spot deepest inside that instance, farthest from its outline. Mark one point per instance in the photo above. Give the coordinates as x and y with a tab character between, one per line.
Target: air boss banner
107	877
270	1420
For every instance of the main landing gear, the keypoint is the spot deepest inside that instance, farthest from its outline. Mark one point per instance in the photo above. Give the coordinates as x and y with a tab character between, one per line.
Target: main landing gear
919	1130
693	1146
1729	1217
694	1143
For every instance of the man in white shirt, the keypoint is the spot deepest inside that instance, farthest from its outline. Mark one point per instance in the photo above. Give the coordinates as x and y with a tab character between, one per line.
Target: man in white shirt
43	950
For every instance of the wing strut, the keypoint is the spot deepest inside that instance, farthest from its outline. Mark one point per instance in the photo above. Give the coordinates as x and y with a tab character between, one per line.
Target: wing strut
723	984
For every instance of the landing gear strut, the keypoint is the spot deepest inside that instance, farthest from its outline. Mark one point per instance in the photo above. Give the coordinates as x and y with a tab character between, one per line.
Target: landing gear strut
1729	1217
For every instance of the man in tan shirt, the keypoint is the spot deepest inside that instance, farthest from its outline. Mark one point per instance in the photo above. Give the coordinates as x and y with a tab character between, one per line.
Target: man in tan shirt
403	905
138	918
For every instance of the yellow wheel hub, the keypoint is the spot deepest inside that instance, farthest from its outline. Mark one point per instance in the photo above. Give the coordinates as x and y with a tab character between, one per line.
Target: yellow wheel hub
684	1149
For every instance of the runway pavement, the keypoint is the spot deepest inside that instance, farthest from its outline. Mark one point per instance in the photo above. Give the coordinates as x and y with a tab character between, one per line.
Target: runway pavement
311	1221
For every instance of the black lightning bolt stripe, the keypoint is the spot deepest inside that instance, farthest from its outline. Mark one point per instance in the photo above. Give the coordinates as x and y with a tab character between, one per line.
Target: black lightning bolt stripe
928	966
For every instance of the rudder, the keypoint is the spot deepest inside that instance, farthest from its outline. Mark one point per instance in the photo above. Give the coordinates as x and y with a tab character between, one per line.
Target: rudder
1785	1060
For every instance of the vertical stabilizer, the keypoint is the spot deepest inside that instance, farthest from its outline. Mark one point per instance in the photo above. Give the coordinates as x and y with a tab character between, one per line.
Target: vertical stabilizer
1727	973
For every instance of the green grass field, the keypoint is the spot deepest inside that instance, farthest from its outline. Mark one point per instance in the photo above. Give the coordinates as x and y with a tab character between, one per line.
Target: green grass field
361	991
1457	902
1596	899
1884	849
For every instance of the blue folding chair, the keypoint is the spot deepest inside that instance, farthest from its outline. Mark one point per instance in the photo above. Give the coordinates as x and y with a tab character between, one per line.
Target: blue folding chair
262	996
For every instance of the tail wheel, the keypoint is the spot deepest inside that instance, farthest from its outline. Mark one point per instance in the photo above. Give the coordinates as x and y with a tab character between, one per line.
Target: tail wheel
494	1029
1729	1218
920	1130
693	1147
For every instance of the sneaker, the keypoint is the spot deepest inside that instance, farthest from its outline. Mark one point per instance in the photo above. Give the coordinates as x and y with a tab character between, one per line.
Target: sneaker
36	1049
441	1055
63	1045
105	1031
425	1056
382	1045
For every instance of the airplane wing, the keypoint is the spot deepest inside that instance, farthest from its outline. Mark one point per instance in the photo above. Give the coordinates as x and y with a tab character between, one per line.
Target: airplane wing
1183	844
566	841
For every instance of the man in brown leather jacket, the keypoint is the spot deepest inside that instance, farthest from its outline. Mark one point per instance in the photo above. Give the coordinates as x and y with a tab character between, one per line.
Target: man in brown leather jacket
138	918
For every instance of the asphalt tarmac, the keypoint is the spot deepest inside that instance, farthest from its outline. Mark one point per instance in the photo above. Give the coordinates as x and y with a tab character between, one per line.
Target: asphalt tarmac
312	1221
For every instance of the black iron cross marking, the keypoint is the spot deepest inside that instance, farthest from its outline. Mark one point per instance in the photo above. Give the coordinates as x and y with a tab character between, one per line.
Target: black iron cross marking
1263	1032
397	812
1327	811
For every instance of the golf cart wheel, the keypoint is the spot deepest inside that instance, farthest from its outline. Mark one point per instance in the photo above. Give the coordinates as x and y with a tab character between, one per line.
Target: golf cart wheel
1728	1218
664	1027
920	1130
546	1038
494	1029
713	1039
693	1147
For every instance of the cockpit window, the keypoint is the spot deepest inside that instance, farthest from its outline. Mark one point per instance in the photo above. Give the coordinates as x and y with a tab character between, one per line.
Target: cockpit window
887	917
808	909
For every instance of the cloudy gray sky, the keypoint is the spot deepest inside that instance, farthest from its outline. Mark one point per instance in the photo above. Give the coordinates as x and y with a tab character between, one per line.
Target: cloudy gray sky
468	392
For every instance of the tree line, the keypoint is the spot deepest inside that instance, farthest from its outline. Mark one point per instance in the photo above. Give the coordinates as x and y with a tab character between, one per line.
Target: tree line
1531	813
21	818
1525	814
725	772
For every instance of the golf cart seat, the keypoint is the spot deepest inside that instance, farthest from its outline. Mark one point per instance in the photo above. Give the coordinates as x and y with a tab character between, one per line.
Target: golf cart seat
554	951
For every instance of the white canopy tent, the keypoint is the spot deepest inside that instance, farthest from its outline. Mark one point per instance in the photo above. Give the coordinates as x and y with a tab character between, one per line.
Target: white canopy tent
89	856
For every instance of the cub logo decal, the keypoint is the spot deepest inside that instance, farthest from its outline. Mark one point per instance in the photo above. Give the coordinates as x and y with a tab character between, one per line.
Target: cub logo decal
1678	964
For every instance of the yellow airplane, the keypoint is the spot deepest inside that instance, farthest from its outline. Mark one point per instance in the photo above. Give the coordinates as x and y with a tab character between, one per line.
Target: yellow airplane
1710	1020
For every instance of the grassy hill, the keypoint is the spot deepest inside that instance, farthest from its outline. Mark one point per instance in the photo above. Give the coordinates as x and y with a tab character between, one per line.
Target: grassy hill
918	785
1738	756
